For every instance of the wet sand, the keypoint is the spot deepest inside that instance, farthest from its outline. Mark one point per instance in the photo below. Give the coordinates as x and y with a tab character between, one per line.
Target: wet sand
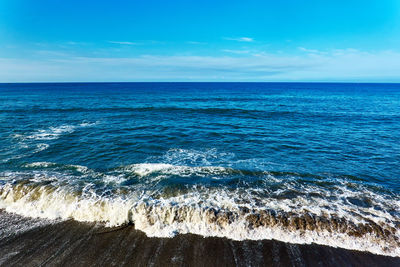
72	243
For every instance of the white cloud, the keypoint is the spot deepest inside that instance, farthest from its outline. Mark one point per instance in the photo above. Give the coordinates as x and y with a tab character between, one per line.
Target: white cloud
240	39
195	43
335	65
236	51
122	43
311	51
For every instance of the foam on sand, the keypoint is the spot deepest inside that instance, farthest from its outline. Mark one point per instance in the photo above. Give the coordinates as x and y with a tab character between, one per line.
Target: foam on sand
315	215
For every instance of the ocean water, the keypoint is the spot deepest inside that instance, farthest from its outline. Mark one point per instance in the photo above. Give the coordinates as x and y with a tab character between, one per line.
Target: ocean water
296	162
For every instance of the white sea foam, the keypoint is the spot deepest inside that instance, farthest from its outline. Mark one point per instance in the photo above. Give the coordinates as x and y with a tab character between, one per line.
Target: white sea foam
52	132
207	157
41	147
167	217
220	212
42	164
144	169
45	164
28	144
11	225
88	124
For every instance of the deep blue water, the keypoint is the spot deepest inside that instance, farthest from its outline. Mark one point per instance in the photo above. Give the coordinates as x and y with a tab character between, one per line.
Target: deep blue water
343	129
311	136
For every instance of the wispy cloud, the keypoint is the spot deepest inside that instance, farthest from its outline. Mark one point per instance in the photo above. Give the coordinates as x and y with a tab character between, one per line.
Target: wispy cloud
240	39
311	51
236	51
51	53
122	43
332	65
195	43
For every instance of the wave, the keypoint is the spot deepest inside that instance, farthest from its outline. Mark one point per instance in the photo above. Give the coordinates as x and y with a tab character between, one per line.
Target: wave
45	164
35	142
327	214
52	133
145	169
179	156
241	112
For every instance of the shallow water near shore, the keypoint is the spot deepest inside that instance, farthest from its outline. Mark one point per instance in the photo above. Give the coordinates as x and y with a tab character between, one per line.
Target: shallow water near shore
298	163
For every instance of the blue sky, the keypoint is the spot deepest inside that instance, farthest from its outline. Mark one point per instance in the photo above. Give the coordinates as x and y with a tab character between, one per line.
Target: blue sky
50	40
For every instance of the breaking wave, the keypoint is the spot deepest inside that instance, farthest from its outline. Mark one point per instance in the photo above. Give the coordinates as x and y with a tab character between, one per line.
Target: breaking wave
164	200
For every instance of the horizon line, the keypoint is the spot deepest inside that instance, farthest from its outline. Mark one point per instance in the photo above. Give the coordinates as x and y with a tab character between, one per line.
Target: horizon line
77	82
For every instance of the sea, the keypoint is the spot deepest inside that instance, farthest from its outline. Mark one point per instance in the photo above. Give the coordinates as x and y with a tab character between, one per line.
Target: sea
296	162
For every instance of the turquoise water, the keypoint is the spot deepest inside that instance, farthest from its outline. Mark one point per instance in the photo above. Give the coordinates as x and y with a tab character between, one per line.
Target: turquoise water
236	160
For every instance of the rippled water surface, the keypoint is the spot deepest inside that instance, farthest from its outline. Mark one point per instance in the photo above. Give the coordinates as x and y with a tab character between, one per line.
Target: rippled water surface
301	163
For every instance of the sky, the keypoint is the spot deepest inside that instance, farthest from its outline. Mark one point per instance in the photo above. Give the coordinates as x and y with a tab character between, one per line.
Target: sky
236	40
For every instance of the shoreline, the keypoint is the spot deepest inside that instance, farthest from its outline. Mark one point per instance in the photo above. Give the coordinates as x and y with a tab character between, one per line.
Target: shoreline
32	242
